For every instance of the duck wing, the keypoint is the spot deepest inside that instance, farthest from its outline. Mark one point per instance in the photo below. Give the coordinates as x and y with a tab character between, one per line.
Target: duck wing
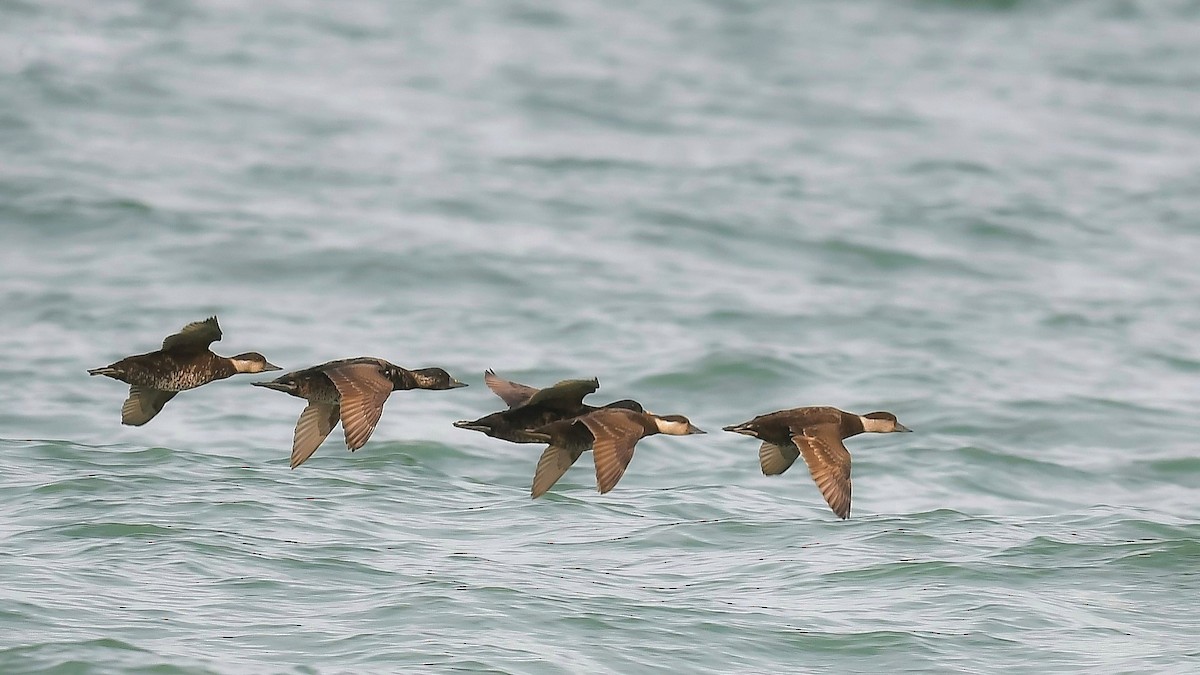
616	432
313	427
775	459
565	395
512	393
363	389
828	462
553	464
194	337
143	404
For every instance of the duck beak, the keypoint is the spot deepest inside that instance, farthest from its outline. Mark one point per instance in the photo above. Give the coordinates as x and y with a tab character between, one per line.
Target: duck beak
455	384
693	429
901	427
270	366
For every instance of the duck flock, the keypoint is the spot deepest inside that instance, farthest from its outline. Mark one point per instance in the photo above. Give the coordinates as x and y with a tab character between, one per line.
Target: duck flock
353	391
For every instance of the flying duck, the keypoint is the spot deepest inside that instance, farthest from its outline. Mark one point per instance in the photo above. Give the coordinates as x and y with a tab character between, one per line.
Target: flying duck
530	408
610	433
352	391
817	433
184	362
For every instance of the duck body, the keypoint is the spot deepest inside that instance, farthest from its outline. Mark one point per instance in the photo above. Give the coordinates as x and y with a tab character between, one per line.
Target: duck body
184	362
610	433
168	371
531	409
351	391
315	384
777	426
816	433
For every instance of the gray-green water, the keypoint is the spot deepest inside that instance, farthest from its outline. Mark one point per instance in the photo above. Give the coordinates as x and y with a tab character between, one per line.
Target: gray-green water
982	216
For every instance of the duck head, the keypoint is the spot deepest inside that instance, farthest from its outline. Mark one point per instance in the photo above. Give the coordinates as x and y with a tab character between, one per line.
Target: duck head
252	362
675	425
882	423
435	378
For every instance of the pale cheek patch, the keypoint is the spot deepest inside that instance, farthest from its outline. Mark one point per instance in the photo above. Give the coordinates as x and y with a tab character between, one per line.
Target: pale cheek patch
671	427
877	426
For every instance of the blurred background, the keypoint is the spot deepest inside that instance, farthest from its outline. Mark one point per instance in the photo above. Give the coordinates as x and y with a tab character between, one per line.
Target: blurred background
981	216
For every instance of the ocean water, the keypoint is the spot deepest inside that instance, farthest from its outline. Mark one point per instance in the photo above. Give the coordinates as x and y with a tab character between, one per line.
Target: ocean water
981	216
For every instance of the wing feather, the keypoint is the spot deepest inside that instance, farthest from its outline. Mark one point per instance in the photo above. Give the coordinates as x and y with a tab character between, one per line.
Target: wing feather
616	432
565	395
775	459
194	337
143	404
829	463
512	393
553	464
313	427
363	389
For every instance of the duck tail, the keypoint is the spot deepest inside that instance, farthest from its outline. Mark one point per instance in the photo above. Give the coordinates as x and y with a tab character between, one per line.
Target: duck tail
111	372
472	425
276	385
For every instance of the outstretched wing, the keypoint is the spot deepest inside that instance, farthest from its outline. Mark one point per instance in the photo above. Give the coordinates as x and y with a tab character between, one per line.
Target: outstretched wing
363	389
194	337
553	464
616	433
566	395
775	459
828	462
512	393
313	427
143	404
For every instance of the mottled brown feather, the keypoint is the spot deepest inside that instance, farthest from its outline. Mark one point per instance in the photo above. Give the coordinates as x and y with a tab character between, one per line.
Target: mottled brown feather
143	404
553	464
775	459
313	427
363	389
829	463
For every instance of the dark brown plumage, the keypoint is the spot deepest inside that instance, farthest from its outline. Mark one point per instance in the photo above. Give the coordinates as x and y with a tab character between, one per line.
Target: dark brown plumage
184	362
610	433
817	434
352	391
530	408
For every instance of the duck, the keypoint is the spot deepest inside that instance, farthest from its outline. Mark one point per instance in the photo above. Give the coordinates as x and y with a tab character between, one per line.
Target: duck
351	391
530	408
610	433
816	432
184	362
